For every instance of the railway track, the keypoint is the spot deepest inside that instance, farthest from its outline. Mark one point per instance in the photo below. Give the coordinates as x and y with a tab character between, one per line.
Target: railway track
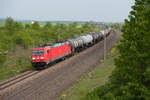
17	79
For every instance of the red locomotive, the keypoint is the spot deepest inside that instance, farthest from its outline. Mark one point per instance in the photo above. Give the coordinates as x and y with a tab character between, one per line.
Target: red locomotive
50	53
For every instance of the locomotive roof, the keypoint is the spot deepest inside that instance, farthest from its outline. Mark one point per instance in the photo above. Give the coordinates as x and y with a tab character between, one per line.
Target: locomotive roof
51	45
57	44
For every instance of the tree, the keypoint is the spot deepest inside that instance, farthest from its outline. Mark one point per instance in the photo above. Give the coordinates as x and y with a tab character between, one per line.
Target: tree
72	30
116	26
74	25
10	25
47	26
27	26
131	78
87	27
61	28
35	26
18	26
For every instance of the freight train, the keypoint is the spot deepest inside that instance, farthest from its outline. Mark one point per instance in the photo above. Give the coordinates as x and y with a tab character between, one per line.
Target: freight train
47	54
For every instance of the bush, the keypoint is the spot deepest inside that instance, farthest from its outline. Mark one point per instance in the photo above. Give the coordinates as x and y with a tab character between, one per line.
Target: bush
3	58
23	39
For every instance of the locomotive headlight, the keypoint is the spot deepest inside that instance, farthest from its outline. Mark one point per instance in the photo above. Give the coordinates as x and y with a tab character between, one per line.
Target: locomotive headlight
33	58
42	57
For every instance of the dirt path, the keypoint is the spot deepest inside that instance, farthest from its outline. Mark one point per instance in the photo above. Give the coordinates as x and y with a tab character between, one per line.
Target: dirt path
49	83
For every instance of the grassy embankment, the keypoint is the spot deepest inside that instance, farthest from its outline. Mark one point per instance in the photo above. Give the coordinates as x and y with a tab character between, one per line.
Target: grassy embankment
91	80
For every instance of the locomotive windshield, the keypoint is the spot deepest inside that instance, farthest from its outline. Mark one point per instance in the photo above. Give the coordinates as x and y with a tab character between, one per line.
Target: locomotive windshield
38	52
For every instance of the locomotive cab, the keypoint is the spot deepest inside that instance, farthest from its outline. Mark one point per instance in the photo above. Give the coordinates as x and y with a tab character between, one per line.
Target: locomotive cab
39	57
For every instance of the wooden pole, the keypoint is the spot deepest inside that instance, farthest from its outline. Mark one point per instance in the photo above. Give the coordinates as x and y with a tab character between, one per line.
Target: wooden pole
104	46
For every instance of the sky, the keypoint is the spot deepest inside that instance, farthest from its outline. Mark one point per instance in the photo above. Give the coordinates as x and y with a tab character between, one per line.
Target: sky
67	10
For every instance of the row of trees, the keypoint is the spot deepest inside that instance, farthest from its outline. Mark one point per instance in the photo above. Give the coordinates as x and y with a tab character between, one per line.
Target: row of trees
130	80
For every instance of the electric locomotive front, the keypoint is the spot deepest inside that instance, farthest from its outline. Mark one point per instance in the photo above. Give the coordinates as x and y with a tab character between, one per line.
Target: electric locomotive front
39	57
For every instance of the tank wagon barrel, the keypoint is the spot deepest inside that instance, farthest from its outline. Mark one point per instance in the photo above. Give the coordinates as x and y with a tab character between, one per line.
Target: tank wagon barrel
87	39
76	44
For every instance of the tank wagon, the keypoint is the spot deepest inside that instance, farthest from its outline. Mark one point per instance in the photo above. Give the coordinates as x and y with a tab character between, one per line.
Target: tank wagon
87	40
76	44
49	53
97	36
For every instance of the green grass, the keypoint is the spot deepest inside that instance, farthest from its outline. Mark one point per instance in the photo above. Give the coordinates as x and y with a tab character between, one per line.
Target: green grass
89	81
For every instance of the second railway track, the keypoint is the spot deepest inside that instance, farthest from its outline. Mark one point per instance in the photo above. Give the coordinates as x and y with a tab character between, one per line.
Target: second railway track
17	79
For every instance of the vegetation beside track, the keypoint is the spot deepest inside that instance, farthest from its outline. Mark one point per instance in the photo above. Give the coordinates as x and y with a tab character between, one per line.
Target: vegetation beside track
91	80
